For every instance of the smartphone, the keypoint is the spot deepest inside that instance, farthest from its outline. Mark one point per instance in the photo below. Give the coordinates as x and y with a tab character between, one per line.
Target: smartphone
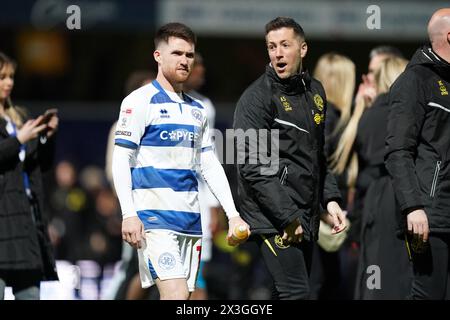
48	115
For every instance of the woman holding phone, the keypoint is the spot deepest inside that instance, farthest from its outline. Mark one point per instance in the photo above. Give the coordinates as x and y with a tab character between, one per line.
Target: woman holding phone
26	256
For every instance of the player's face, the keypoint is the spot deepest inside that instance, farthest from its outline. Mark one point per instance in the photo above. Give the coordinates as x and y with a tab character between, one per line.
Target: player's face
286	51
175	59
6	81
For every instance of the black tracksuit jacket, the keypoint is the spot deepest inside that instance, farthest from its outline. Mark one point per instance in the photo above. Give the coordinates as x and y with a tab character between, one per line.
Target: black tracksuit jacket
301	186
418	140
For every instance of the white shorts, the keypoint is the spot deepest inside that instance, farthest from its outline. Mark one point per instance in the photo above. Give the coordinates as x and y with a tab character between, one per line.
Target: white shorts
169	255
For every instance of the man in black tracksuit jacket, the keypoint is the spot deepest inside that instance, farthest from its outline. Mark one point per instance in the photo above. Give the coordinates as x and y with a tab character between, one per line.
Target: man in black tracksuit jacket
418	158
283	207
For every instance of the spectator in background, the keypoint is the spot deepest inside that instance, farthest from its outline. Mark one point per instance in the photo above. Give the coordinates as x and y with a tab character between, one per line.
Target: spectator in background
364	136
102	236
69	208
337	75
26	150
367	88
365	96
85	225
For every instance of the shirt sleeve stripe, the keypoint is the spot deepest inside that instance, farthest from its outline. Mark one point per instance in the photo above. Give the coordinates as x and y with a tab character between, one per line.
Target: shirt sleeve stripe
207	149
126	143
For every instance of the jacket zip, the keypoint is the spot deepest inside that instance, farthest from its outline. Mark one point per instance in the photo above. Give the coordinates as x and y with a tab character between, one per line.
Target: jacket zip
284	176
311	118
435	178
304	86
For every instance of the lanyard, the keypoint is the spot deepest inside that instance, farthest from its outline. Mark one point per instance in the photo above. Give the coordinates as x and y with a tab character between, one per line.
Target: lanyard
12	130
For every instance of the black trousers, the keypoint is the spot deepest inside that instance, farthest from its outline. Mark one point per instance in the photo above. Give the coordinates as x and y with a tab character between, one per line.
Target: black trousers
325	277
432	270
289	266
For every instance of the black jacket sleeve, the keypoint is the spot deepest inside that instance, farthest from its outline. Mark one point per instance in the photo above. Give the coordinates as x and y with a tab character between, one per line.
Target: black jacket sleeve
253	113
9	149
406	116
40	153
46	152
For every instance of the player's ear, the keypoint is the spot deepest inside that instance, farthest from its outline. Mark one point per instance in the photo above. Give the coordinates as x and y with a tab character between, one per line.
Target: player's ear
157	56
303	49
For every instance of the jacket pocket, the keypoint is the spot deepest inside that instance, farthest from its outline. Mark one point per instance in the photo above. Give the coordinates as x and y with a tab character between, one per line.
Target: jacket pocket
284	174
435	178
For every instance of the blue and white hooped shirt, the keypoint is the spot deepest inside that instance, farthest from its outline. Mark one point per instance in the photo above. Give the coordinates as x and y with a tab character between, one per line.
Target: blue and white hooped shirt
168	132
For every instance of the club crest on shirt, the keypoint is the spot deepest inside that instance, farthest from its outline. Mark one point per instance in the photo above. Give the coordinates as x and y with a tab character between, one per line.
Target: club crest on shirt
166	261
197	115
318	102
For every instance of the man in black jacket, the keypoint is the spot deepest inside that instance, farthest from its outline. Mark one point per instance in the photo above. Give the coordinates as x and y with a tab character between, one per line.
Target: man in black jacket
418	158
283	206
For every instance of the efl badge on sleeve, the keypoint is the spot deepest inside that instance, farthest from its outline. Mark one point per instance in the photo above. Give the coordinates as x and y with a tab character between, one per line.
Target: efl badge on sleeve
125	118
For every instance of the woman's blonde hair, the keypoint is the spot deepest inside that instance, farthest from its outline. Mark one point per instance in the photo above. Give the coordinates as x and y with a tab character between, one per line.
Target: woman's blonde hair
15	113
337	75
343	157
389	70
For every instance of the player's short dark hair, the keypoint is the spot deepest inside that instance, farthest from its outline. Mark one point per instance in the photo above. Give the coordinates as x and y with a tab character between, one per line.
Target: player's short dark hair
386	50
177	30
285	22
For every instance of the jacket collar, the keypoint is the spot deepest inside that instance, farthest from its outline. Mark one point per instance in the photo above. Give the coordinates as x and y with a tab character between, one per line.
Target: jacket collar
295	84
427	57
